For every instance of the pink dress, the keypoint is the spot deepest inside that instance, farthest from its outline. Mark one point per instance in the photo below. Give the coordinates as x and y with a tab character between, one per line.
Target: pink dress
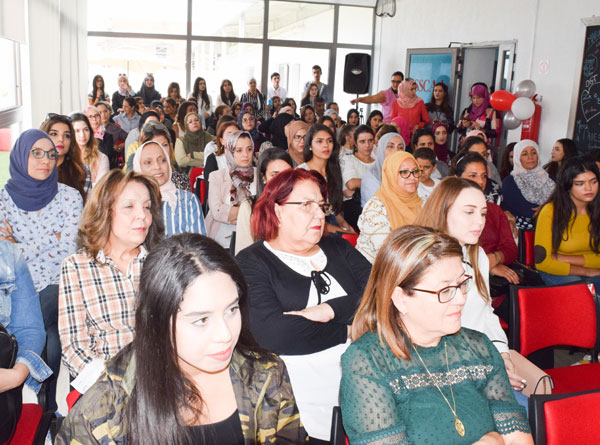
416	115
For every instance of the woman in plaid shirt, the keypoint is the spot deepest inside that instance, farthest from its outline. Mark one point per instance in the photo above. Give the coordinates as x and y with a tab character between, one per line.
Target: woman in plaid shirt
121	221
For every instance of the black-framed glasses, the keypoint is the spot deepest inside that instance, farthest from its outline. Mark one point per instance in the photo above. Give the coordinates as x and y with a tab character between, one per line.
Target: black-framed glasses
297	137
448	293
38	153
312	206
404	174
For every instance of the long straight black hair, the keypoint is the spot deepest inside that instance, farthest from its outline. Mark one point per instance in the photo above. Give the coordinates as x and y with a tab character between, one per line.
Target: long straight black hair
333	170
564	207
153	413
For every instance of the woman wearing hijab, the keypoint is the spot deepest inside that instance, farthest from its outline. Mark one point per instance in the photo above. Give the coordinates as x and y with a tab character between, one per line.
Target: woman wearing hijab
441	133
41	217
410	106
181	210
247	122
295	132
388	143
119	96
528	186
479	115
189	149
147	91
396	203
230	187
256	98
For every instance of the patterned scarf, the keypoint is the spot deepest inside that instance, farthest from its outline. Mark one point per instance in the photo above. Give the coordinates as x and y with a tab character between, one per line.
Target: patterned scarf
241	177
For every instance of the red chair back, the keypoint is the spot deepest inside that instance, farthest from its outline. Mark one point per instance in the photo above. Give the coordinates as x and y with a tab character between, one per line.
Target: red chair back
526	247
351	238
194	173
550	316
565	418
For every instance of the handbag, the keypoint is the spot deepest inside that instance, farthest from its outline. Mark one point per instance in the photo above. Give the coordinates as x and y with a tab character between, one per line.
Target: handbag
538	382
11	400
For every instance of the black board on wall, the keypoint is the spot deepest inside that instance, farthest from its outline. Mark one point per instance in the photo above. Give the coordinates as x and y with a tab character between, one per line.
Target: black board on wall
586	131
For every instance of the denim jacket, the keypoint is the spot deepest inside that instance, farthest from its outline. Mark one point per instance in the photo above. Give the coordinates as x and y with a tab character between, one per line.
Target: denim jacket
21	314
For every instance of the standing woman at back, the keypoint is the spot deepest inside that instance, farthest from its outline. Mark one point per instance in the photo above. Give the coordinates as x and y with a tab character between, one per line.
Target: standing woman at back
226	94
98	94
200	95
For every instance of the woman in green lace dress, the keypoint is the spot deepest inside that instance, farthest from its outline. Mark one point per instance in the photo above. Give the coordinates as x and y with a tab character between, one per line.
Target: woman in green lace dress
412	374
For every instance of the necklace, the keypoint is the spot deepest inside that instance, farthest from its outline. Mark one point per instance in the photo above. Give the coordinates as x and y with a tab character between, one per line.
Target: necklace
460	428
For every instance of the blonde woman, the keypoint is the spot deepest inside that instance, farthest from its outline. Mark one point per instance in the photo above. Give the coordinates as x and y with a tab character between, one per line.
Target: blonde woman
96	161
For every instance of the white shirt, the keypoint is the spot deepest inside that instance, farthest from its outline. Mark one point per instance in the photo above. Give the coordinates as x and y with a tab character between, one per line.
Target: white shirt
280	92
353	168
425	190
479	314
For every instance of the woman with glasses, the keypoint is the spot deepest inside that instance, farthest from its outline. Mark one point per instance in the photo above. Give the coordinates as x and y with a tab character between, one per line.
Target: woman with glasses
104	139
412	375
41	217
226	94
457	207
71	169
95	160
394	205
247	122
230	187
303	290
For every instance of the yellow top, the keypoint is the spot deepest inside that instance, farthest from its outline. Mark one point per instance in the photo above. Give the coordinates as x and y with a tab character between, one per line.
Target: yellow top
577	242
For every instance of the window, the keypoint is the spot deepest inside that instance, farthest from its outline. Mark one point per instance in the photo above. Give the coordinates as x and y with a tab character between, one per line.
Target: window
355	26
9	83
229	18
300	21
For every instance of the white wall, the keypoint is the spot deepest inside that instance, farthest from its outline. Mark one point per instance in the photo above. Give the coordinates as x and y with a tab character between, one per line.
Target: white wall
549	30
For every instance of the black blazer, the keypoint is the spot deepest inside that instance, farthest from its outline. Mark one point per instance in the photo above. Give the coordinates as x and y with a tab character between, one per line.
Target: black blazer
274	288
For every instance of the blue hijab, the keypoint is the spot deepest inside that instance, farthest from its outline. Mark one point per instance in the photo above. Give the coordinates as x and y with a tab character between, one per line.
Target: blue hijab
27	193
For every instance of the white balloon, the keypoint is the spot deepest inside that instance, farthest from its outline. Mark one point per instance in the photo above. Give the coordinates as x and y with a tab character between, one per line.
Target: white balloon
523	108
525	88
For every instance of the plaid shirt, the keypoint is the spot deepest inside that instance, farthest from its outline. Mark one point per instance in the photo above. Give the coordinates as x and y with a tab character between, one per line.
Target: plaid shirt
96	307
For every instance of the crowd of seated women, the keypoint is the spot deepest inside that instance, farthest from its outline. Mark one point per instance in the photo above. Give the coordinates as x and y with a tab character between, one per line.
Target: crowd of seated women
131	282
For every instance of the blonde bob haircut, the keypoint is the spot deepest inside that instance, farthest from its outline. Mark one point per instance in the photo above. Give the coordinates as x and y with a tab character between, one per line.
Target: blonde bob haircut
403	260
434	214
96	219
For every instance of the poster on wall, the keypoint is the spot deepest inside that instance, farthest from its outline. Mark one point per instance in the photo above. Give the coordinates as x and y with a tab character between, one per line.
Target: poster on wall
429	68
586	131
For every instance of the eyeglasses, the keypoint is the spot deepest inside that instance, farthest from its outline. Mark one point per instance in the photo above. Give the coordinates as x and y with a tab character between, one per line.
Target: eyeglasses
312	206
94	116
250	119
38	153
298	137
57	117
122	75
446	294
404	174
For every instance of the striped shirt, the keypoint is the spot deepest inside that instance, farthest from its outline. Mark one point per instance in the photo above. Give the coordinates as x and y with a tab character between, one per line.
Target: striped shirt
96	307
186	217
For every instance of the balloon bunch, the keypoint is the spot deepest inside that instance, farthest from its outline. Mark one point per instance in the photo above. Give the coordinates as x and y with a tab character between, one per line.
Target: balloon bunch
518	106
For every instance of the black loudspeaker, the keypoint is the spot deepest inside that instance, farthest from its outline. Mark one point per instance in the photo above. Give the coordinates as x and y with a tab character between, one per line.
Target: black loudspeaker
357	73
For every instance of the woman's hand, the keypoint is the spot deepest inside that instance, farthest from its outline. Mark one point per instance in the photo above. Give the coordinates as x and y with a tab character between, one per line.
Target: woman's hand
348	193
491	438
6	233
321	313
504	271
11	378
516	381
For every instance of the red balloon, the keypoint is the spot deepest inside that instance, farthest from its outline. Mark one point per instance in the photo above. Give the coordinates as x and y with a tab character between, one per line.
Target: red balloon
502	100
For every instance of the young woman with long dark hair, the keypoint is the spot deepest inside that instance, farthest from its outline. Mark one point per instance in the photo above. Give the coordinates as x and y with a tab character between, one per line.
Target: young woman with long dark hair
562	150
439	108
91	156
226	94
321	153
98	94
200	95
567	235
211	384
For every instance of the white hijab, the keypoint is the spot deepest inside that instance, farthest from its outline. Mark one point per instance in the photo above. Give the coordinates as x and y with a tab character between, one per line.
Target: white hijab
168	191
535	184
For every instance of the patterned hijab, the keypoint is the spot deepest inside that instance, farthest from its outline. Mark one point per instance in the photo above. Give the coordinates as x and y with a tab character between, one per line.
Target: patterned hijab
241	177
27	193
405	100
535	184
254	131
402	207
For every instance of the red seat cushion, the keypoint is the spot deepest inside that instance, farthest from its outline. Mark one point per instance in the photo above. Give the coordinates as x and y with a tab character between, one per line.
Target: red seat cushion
351	238
72	397
575	378
28	424
573	420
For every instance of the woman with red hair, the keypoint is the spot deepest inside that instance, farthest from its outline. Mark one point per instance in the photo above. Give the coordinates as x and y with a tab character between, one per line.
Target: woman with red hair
303	290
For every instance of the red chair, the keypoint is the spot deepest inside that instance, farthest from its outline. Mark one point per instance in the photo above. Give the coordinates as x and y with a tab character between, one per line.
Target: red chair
352	238
195	173
72	397
560	419
526	253
32	426
543	317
